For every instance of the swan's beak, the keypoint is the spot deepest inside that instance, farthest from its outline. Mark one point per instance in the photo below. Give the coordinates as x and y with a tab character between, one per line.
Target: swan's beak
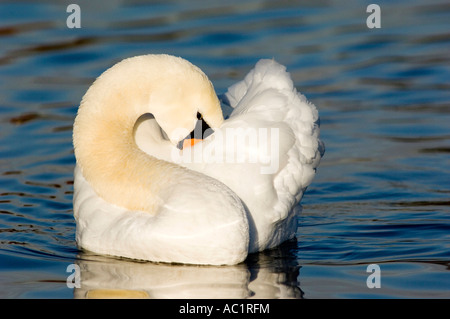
189	142
201	131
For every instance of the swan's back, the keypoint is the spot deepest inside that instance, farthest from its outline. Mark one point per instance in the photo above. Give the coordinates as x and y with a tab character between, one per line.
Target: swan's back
267	95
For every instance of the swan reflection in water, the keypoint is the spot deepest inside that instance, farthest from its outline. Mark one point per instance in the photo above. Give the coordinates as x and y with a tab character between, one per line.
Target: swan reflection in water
270	274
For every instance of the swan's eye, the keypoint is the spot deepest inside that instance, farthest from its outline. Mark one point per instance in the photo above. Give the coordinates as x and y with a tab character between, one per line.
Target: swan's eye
201	131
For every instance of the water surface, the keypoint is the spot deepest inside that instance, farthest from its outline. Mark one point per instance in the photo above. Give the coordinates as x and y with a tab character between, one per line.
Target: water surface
381	195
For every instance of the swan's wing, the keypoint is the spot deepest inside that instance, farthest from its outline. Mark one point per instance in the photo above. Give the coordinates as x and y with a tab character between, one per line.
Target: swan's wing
188	228
267	95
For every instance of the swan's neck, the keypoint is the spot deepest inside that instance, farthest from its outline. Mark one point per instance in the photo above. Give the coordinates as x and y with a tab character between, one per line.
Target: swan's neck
109	158
170	88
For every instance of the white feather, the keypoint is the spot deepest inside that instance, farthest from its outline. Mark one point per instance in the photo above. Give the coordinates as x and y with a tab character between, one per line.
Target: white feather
226	204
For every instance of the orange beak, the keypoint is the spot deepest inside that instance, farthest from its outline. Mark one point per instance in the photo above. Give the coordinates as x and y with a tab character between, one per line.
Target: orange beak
189	142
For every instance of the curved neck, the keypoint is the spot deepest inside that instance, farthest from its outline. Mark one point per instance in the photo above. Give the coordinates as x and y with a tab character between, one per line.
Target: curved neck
170	88
108	156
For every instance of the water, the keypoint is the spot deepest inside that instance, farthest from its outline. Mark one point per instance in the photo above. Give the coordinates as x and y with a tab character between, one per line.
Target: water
381	195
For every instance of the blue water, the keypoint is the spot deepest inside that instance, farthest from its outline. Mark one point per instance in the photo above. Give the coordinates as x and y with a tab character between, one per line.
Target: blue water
382	192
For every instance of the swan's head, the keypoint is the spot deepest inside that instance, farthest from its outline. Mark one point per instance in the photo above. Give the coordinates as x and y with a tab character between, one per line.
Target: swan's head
178	94
172	89
183	96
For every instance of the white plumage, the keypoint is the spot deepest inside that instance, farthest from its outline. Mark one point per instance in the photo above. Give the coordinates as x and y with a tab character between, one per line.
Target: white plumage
234	199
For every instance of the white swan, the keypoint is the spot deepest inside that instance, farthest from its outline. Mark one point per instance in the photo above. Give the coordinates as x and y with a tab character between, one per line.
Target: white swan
137	195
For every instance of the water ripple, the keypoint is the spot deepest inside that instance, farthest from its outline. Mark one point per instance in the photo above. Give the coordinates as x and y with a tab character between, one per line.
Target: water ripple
381	192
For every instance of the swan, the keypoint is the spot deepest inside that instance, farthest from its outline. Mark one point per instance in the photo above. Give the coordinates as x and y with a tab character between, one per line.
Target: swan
147	186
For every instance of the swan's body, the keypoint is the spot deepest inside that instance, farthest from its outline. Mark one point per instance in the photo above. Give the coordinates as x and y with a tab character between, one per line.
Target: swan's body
137	196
